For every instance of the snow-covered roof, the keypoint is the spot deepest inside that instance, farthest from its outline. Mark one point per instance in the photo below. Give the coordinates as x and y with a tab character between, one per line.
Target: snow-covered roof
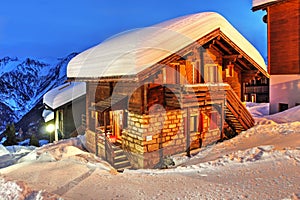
132	52
257	4
64	94
48	115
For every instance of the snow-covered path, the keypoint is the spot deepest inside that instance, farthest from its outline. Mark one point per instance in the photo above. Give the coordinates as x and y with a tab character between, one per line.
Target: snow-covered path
261	163
273	179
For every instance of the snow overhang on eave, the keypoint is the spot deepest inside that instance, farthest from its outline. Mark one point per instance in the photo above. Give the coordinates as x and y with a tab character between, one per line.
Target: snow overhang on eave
131	78
263	4
64	94
134	52
48	115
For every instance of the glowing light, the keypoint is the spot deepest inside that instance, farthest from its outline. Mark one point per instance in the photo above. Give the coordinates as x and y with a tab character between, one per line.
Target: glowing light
50	128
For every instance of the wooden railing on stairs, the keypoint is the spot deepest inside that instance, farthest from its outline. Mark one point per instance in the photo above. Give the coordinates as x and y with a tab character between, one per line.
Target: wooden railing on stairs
113	153
237	115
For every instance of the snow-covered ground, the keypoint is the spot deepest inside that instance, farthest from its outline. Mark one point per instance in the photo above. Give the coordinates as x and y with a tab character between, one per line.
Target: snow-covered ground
261	163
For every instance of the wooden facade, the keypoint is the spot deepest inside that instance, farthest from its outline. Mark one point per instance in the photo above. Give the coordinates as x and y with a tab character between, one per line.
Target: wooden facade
182	104
283	30
189	99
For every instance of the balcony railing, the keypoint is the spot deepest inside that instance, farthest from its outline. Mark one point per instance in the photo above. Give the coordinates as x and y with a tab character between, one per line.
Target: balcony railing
256	89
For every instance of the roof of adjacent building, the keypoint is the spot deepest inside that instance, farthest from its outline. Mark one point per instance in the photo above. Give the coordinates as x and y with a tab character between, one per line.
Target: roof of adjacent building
260	4
132	52
64	94
48	115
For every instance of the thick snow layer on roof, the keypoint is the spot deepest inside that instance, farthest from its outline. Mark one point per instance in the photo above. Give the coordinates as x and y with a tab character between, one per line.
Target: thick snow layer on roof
64	94
48	115
132	52
256	3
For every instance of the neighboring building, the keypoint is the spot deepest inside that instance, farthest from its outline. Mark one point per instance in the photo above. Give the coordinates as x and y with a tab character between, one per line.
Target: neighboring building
65	107
283	21
257	90
166	89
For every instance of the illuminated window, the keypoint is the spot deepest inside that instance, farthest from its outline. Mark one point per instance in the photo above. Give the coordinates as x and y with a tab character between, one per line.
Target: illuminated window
196	123
193	123
229	70
246	97
253	98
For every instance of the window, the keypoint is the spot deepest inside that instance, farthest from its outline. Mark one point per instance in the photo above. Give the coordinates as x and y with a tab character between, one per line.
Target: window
125	119
230	70
213	73
196	123
283	107
213	120
253	98
193	123
246	97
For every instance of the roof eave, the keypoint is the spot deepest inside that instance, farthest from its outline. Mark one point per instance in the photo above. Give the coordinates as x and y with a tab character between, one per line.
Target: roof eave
265	5
103	79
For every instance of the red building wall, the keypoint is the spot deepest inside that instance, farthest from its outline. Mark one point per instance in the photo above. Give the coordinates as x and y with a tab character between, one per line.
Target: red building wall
284	37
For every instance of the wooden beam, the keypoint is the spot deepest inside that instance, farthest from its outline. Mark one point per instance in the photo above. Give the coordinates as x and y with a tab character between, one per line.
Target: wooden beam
223	47
213	47
243	64
233	57
251	72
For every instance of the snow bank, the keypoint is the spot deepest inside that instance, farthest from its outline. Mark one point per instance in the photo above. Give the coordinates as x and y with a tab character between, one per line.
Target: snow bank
43	142
260	112
68	150
3	150
258	109
10	190
19	190
290	115
16	149
241	157
284	129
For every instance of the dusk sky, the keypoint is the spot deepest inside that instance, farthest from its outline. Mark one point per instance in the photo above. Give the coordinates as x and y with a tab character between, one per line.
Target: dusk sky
56	28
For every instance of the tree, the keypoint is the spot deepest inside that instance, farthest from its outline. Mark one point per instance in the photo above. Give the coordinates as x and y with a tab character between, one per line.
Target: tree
34	141
10	134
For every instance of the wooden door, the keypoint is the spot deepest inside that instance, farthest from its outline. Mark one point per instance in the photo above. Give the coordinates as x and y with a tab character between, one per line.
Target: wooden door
117	123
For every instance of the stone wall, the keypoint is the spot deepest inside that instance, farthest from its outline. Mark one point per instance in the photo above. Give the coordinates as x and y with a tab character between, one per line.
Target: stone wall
90	141
150	138
154	136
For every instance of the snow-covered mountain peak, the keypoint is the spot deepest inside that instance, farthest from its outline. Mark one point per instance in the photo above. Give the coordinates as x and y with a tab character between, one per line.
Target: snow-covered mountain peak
23	82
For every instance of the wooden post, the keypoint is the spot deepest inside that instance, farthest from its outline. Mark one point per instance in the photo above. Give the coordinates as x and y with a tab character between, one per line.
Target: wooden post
201	65
222	113
105	122
145	88
56	125
87	103
105	135
164	75
188	133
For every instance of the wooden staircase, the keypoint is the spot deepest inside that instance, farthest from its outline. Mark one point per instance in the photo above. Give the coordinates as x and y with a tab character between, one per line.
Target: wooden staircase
237	115
115	156
120	160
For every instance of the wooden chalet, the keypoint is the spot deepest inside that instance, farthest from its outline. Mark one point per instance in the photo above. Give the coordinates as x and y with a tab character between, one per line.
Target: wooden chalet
283	30
166	89
65	107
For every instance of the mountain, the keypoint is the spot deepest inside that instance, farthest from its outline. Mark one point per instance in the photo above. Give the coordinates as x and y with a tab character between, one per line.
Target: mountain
23	82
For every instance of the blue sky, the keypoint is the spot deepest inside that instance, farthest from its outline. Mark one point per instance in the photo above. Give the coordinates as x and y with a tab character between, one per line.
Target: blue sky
55	28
